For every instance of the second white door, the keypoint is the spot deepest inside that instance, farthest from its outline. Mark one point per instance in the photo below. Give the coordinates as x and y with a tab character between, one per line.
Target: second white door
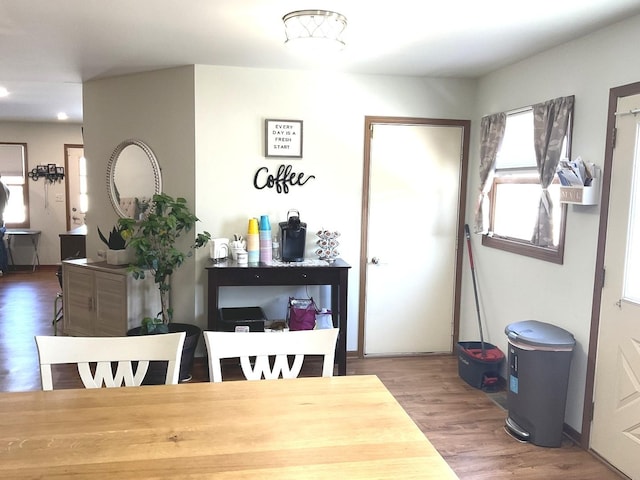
615	432
76	179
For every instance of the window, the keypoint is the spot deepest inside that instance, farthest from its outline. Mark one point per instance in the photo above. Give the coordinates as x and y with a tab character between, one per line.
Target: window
13	169
515	194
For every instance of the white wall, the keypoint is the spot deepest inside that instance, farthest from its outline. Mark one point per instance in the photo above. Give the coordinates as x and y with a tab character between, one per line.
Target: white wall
512	287
205	124
231	106
45	144
157	108
214	167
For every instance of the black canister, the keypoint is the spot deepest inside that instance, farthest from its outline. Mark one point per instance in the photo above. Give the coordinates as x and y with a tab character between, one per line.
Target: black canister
293	234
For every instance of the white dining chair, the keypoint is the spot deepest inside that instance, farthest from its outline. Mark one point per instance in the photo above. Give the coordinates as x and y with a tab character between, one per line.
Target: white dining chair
100	352
262	345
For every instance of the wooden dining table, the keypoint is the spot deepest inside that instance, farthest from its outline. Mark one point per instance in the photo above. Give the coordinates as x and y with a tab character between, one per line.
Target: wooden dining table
347	427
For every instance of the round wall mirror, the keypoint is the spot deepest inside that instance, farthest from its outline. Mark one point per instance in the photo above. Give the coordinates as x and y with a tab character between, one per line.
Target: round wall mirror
133	177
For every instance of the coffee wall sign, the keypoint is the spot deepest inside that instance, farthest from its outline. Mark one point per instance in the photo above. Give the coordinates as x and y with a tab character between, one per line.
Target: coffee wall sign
281	180
283	138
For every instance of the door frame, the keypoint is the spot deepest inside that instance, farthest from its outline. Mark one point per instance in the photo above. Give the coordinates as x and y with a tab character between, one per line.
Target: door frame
614	95
369	122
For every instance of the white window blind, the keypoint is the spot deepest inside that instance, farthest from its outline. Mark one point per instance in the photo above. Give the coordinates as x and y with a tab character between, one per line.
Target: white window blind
12	160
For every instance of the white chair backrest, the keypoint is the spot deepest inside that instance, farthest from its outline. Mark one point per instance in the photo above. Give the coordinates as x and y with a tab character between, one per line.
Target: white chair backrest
264	344
101	351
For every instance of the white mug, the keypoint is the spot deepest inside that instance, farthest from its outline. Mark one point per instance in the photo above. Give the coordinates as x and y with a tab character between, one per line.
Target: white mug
235	251
237	246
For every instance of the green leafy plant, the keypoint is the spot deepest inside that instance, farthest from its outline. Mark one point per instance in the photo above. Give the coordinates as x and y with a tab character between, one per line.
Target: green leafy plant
153	240
116	241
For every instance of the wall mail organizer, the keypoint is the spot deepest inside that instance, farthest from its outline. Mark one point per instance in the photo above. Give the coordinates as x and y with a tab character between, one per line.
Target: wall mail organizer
580	183
50	172
581	195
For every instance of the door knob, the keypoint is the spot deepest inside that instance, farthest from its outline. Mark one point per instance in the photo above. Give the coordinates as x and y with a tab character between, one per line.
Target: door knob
375	260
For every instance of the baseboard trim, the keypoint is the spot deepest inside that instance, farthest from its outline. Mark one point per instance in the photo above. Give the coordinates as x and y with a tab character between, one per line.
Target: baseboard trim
573	434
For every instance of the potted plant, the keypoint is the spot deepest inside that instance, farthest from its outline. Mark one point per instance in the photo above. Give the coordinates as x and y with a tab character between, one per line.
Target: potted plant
154	243
117	253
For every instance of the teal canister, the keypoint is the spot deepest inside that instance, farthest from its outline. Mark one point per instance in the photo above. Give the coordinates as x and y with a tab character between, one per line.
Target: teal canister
266	253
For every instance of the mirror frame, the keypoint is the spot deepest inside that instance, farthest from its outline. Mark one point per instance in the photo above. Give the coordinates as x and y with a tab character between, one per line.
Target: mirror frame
111	167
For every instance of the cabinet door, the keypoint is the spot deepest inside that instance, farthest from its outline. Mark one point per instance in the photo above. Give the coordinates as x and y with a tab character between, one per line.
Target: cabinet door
111	304
78	288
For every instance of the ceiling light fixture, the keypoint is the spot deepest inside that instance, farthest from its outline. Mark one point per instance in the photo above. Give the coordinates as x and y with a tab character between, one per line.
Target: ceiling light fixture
63	116
319	29
4	92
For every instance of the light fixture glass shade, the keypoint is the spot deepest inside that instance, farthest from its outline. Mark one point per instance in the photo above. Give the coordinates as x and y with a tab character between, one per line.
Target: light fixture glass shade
320	29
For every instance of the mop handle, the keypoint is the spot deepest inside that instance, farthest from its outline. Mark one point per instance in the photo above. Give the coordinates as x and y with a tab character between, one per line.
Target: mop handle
468	235
475	288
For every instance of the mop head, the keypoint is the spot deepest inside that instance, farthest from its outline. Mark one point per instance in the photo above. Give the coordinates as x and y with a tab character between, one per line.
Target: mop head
489	355
477	369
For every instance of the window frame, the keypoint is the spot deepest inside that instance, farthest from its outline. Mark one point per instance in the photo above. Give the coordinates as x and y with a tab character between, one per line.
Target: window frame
516	245
522	247
25	188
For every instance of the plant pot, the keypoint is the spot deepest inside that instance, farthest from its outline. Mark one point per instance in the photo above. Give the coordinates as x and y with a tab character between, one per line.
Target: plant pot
157	372
120	257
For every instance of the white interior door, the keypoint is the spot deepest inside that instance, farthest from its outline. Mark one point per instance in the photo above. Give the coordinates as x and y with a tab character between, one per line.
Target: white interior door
76	185
414	189
615	432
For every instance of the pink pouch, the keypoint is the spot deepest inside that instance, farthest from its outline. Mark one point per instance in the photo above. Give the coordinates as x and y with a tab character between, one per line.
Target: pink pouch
301	313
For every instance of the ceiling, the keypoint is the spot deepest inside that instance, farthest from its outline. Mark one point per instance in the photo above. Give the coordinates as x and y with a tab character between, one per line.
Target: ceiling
48	48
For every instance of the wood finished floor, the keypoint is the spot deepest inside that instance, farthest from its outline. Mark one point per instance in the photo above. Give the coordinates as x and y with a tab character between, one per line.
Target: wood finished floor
463	423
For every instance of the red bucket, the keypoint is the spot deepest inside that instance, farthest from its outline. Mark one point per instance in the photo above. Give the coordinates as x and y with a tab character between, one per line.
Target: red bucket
478	369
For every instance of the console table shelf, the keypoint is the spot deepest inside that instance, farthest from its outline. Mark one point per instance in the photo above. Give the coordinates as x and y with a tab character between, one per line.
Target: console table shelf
229	273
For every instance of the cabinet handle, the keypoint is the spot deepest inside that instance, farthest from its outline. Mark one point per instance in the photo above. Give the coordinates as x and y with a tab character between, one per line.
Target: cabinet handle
304	275
257	275
90	303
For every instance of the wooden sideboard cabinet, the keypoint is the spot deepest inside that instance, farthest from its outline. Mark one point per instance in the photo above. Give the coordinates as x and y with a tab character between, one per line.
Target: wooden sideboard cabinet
104	300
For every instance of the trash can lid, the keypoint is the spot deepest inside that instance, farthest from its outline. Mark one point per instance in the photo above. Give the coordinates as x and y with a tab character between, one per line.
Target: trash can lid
533	332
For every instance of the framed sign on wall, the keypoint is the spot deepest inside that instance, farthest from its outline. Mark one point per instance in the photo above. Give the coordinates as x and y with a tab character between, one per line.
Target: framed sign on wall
283	138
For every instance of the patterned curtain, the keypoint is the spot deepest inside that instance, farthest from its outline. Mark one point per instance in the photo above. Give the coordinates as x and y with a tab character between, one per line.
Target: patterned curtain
491	134
550	123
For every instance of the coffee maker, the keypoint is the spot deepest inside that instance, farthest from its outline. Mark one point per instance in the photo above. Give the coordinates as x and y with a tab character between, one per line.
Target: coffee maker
293	234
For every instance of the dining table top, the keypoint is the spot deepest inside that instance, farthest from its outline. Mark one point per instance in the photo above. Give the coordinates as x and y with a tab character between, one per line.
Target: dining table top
347	427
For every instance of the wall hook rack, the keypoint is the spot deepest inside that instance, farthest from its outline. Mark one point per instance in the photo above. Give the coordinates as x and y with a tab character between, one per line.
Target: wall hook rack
51	173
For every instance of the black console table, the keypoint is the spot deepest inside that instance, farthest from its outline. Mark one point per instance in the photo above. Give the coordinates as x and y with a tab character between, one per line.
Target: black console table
229	273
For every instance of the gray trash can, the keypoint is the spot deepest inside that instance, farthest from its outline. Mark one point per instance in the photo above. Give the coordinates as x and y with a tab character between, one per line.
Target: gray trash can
539	361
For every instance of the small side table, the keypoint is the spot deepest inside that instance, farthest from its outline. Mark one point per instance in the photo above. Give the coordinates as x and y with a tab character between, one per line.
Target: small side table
335	274
34	235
